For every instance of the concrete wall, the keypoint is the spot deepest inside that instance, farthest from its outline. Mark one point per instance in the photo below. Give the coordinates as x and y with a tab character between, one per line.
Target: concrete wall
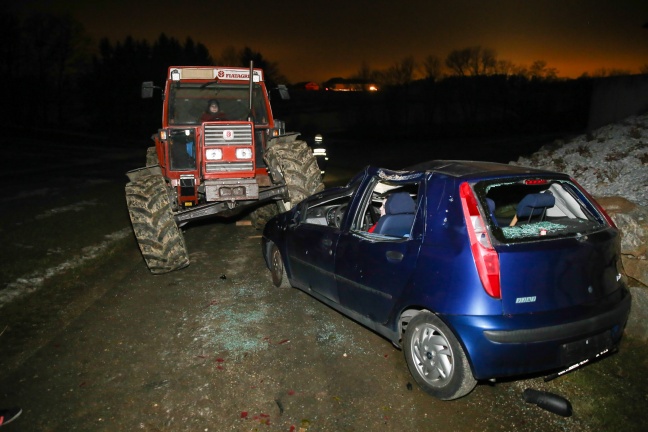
615	98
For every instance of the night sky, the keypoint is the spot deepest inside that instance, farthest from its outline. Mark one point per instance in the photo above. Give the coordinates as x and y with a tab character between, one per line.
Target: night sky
318	40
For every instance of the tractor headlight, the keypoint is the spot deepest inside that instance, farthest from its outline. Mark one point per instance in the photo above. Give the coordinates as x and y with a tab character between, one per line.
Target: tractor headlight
244	153
214	154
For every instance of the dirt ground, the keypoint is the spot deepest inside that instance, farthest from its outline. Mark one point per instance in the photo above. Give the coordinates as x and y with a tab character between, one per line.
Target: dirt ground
216	347
103	345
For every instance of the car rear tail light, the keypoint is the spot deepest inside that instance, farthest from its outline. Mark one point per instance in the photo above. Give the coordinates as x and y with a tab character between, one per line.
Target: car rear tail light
484	255
596	204
534	182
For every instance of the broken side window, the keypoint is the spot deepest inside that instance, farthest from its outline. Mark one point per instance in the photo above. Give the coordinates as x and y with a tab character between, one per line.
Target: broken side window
398	215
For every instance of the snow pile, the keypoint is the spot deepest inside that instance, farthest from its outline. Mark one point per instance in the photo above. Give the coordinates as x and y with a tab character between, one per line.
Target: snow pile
34	281
610	161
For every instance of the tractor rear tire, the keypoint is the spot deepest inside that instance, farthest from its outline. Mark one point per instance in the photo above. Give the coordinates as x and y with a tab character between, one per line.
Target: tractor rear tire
159	238
298	166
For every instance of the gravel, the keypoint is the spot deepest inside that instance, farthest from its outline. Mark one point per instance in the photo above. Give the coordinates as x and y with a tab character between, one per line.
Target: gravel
609	161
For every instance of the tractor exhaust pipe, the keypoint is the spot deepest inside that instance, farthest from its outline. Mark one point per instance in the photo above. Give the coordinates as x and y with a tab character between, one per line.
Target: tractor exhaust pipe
251	88
548	401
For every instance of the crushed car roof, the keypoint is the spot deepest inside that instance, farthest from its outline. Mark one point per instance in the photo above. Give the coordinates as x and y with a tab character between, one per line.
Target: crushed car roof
460	168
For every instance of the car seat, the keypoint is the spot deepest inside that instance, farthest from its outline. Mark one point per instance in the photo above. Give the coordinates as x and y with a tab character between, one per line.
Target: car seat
399	216
533	205
491	210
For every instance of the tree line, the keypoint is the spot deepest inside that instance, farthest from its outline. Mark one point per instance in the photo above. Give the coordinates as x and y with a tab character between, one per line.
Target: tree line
59	78
473	61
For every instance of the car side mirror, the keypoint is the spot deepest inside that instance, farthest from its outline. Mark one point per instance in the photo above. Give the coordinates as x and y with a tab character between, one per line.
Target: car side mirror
294	220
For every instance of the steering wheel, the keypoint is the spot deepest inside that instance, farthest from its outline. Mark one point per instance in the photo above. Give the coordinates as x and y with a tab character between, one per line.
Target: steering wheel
374	214
338	215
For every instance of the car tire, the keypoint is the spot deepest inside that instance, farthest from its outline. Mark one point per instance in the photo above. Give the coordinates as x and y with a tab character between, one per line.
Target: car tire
277	267
436	359
159	238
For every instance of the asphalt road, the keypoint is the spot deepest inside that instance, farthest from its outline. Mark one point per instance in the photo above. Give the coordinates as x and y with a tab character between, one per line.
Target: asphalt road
100	344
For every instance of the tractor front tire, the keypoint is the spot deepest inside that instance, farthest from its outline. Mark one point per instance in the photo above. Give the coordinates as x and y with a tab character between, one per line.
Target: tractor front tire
263	214
159	238
298	166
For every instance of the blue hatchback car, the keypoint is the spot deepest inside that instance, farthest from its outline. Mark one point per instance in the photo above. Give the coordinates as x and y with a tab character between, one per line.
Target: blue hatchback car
476	270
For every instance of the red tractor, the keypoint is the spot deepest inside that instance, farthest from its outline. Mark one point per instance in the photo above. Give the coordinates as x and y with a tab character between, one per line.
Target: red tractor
219	152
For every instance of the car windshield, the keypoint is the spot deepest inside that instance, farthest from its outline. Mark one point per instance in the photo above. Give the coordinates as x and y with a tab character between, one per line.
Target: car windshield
189	101
530	209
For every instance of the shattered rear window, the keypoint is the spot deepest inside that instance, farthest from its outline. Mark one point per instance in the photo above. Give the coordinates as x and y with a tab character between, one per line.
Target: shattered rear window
536	208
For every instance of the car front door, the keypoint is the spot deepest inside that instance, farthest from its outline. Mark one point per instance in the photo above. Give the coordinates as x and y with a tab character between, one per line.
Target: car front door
312	244
372	273
373	269
312	258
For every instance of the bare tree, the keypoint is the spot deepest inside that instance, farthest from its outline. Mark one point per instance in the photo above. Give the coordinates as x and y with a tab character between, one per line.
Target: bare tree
458	61
539	69
400	73
508	68
432	68
475	61
482	61
233	57
54	49
229	57
604	72
364	74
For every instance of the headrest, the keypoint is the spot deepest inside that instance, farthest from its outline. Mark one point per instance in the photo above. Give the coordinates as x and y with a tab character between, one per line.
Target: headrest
535	204
399	203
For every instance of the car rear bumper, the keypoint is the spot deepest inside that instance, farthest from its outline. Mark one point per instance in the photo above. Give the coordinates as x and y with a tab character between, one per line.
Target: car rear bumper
538	343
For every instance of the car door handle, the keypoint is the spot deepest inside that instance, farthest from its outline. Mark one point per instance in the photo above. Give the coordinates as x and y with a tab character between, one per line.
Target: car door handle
327	242
394	256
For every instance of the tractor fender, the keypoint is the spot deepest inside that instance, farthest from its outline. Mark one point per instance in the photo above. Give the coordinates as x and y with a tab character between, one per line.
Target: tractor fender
139	172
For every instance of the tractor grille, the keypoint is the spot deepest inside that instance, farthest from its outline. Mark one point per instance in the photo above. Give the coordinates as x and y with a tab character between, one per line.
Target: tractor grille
228	134
221	167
